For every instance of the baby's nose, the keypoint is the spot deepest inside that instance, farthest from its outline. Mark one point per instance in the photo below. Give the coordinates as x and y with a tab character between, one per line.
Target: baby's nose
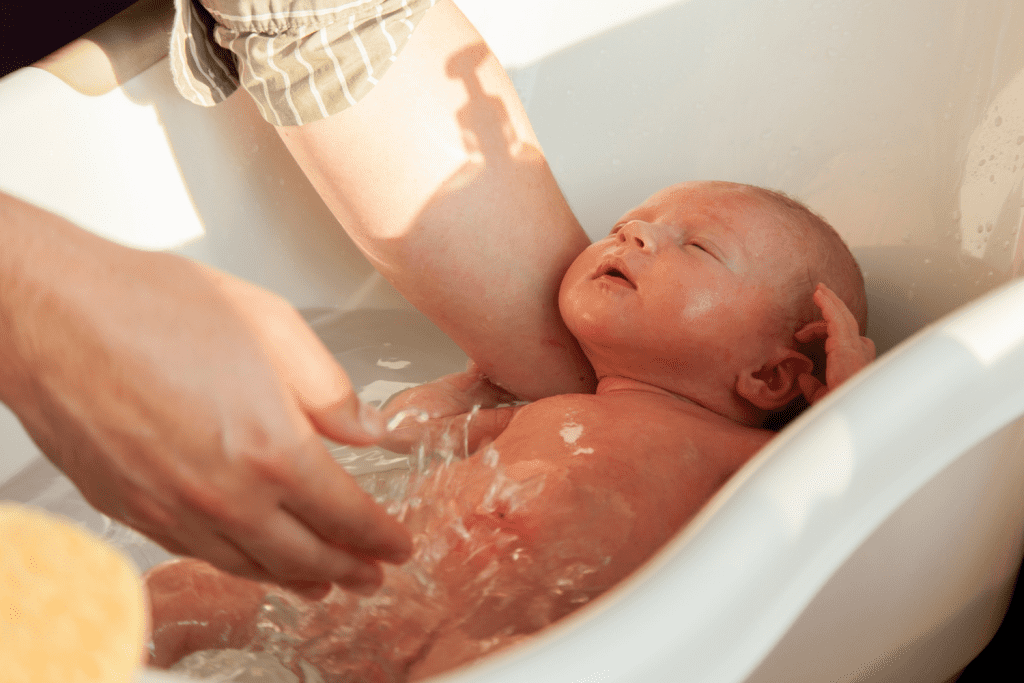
641	234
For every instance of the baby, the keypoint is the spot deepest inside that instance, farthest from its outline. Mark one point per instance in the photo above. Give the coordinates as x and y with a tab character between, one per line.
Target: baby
700	314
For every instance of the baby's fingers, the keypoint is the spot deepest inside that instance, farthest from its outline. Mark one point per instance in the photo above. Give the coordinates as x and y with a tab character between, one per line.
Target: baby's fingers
842	326
812	331
812	389
868	348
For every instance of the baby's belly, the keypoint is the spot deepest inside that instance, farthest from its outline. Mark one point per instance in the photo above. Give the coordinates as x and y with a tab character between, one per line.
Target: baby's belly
576	509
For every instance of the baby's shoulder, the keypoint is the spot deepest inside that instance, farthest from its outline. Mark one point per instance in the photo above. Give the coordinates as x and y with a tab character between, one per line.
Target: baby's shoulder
636	420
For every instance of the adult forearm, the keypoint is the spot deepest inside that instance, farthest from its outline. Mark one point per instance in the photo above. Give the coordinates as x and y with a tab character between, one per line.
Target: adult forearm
35	246
438	177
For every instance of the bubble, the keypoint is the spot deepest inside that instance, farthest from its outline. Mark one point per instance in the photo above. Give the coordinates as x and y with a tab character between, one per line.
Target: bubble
998	121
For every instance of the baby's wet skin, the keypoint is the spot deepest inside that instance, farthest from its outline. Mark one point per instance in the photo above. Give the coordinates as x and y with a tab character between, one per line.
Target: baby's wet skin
195	606
574	511
586	486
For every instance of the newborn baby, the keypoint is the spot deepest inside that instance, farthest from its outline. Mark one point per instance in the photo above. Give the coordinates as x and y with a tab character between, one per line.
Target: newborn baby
700	314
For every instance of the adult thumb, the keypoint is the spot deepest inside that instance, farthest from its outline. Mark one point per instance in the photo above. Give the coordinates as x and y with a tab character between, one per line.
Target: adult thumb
349	421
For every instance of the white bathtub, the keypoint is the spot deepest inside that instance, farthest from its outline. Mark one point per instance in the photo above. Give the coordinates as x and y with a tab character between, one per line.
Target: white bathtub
878	538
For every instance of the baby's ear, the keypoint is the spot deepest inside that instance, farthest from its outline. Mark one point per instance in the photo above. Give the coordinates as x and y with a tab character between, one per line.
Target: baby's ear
774	385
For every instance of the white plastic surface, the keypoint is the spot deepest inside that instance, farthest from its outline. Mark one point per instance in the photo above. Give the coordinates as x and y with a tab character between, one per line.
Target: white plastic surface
877	538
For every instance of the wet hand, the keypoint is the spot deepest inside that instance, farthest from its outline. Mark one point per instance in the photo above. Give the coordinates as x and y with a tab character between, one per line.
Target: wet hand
461	405
189	405
846	351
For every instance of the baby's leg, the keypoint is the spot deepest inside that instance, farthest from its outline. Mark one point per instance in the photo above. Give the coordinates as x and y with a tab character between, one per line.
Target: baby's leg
195	606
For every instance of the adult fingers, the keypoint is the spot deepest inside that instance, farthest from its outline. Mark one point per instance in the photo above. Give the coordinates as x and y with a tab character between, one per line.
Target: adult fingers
318	384
277	549
322	389
294	556
325	498
348	421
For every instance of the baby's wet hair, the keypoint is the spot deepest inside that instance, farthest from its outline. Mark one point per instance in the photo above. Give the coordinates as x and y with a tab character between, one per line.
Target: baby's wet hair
830	261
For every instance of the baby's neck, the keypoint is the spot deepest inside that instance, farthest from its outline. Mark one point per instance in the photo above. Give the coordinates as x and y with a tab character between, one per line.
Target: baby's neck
614	384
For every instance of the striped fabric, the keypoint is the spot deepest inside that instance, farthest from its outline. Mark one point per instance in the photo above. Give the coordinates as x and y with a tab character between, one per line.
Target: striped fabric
301	60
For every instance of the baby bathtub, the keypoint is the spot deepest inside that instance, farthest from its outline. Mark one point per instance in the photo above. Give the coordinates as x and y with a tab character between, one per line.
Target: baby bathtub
878	537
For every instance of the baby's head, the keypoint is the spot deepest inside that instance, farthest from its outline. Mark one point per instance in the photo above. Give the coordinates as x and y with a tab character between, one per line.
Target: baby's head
699	291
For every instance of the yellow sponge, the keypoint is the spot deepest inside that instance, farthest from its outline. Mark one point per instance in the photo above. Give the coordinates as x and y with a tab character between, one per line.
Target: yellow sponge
72	608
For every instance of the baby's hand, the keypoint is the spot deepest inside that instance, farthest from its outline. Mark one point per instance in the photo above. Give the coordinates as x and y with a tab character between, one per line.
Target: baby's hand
427	411
846	351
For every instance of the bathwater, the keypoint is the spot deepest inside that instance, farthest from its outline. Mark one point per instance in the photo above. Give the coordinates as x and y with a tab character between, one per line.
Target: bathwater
452	600
431	611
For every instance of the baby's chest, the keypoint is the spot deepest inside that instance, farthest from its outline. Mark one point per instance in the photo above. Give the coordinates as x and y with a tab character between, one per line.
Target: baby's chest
586	431
655	463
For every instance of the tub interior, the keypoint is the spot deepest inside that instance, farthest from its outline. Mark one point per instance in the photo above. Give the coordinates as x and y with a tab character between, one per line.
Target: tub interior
901	123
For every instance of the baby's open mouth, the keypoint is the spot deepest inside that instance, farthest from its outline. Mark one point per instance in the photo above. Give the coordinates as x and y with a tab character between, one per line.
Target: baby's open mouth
616	274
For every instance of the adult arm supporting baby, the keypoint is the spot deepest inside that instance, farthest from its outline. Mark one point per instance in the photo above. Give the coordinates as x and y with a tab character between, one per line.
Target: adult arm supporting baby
185	403
438	177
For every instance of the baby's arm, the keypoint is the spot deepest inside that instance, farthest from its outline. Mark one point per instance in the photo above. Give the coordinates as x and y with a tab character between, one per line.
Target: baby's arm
846	351
463	403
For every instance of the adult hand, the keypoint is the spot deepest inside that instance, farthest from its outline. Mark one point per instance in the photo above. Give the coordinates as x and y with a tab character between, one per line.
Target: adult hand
187	404
846	351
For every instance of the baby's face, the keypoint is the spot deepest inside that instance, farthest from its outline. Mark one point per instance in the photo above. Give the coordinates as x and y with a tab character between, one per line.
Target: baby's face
690	278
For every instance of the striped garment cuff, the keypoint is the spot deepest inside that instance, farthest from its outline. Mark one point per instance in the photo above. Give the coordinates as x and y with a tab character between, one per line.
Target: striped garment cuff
300	64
